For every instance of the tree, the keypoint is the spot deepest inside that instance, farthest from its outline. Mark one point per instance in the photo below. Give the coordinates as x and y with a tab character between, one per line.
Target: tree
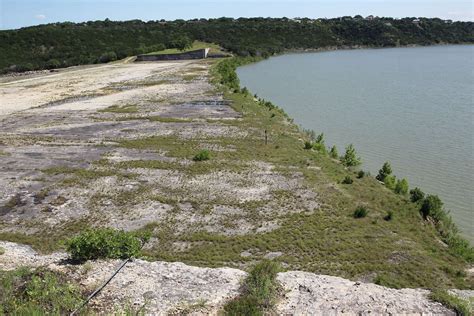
106	57
432	206
182	42
319	144
416	195
390	182
333	152
350	158
385	171
53	63
401	187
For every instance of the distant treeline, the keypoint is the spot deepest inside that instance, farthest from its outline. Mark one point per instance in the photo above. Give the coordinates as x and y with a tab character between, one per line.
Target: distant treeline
67	44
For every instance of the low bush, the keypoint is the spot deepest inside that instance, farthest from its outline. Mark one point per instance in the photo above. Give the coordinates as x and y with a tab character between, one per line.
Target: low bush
401	187
202	155
385	171
360	212
360	174
105	243
416	195
308	145
390	182
389	216
333	152
258	292
37	292
347	180
432	206
350	158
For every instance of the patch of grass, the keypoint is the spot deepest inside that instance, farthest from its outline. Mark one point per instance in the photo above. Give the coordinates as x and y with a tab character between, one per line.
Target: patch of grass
389	216
167	119
259	291
2	251
190	77
347	180
460	306
4	153
101	243
360	212
129	108
37	292
202	155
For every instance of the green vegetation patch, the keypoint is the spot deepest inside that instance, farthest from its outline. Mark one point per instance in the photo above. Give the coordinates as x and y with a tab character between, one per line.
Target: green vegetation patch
129	108
214	49
100	243
259	291
37	292
460	306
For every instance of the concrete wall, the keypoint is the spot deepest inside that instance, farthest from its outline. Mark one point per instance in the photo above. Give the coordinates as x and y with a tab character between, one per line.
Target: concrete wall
195	54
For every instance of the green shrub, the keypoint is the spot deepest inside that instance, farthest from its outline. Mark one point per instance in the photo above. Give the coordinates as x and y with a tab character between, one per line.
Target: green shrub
37	292
460	306
308	145
319	145
347	180
202	155
360	174
360	212
333	152
258	292
432	206
350	158
416	195
401	187
384	172
389	216
390	182
104	243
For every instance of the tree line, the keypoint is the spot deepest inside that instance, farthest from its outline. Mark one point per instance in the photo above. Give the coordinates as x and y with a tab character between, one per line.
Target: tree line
67	44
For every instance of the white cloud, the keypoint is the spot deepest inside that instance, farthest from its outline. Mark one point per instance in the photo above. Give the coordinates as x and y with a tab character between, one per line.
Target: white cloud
40	16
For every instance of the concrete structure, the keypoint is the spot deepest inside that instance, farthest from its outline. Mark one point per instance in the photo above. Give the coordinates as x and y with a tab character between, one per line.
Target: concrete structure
194	54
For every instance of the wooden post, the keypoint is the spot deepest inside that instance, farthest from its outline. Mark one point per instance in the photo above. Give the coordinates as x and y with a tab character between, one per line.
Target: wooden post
266	138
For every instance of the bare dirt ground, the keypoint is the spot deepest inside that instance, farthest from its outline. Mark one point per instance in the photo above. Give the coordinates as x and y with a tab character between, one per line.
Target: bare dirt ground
64	166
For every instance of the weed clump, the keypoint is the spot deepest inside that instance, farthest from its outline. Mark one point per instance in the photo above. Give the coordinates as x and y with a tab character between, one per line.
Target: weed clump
347	180
389	216
360	212
202	155
105	243
37	292
259	291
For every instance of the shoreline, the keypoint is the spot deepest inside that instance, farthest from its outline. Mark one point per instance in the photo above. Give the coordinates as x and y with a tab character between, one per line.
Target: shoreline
463	233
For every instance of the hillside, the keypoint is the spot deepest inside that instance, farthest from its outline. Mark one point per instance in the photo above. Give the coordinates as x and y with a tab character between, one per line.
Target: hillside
67	44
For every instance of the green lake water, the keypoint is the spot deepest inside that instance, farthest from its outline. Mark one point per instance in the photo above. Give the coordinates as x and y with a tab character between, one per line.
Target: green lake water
412	107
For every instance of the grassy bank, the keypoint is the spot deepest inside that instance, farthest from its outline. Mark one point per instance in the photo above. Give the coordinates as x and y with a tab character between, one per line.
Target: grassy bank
405	251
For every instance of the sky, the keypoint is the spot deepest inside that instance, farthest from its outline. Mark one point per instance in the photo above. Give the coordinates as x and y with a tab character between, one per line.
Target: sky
20	13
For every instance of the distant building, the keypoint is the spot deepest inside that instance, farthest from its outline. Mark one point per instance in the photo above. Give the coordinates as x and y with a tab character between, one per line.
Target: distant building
448	21
370	18
416	21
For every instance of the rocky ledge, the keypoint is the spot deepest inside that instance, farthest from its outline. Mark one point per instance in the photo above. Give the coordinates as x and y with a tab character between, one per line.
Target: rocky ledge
173	288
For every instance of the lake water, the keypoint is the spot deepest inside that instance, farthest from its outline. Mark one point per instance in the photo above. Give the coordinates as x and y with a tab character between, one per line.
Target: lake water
410	106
